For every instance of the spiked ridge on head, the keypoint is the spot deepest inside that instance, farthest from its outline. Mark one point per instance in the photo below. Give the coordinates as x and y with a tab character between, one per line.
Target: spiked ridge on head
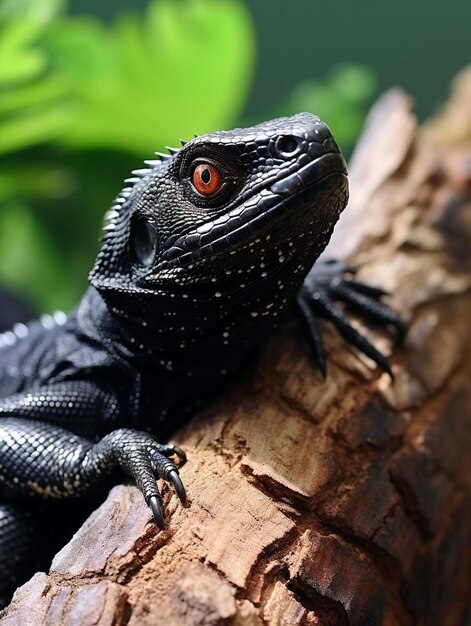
163	157
138	174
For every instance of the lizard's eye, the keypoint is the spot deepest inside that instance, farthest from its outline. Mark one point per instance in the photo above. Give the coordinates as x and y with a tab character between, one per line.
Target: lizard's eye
206	179
143	241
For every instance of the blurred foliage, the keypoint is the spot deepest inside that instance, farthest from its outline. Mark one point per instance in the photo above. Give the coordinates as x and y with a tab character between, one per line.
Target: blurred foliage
33	108
182	68
83	102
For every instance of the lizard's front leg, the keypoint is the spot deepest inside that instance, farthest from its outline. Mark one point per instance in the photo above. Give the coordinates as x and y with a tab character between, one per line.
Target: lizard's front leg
332	281
40	459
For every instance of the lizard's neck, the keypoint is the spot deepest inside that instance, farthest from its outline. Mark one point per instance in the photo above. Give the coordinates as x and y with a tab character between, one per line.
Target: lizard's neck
200	345
198	330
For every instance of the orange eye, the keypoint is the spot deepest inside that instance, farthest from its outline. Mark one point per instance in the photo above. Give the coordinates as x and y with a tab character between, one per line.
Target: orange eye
207	179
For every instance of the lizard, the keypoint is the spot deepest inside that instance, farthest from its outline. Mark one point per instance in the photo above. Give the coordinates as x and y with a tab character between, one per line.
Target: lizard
204	253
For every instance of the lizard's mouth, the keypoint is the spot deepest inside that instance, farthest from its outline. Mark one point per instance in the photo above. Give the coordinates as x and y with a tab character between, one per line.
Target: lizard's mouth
311	184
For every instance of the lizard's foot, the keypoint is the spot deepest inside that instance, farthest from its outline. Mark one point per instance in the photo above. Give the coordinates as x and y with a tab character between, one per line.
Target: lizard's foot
332	281
145	460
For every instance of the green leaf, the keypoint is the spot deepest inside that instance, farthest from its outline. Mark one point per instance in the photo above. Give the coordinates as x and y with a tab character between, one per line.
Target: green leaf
33	109
183	68
85	98
31	95
38	125
21	25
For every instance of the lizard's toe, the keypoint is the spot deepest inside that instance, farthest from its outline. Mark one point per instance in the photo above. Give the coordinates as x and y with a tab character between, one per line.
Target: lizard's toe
169	449
146	460
330	282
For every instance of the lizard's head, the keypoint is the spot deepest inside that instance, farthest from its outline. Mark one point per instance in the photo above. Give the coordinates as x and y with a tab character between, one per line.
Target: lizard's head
225	213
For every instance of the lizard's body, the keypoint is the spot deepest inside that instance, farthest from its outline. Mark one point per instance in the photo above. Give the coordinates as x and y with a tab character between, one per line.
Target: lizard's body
203	255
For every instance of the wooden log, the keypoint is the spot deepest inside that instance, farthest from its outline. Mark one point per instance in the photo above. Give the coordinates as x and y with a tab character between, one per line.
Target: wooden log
345	501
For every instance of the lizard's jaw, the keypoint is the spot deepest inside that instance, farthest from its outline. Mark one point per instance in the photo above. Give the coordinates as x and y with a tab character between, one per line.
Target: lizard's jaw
320	183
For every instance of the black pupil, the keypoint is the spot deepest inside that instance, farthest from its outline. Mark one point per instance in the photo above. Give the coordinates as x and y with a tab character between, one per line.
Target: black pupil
144	241
206	176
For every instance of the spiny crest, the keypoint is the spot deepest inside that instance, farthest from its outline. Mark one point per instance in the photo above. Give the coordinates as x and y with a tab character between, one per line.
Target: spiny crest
163	157
114	212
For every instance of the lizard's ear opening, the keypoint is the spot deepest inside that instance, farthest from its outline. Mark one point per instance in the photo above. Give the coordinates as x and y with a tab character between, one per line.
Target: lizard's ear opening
143	241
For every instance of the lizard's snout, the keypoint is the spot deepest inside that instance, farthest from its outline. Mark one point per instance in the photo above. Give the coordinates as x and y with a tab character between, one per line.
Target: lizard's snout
314	140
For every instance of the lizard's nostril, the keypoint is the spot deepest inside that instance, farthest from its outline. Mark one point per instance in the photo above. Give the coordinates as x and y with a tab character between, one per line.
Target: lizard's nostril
287	145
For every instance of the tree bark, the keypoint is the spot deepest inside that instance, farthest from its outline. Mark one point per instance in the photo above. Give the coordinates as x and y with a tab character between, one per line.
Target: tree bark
337	502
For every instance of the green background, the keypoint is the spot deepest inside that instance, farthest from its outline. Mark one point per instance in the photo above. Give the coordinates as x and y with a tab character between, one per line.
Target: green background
418	45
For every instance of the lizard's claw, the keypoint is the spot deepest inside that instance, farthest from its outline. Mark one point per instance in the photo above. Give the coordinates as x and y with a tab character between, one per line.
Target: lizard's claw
331	281
176	481
145	460
157	511
166	469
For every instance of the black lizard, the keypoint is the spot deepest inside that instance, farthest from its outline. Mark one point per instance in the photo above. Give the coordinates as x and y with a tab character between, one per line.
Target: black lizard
205	252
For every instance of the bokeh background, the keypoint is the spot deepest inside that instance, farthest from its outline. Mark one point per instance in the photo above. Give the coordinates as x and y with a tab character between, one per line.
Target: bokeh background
89	89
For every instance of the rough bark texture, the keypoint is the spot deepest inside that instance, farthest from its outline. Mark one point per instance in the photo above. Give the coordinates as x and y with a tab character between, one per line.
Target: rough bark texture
345	501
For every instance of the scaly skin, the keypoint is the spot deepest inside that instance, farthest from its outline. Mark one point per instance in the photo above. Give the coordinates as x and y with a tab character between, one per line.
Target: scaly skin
204	253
